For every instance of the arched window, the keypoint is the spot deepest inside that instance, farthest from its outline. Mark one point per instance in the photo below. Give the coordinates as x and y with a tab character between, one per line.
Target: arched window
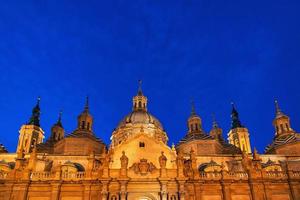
82	124
25	144
287	127
140	104
142	144
196	126
88	126
113	197
173	197
281	127
33	142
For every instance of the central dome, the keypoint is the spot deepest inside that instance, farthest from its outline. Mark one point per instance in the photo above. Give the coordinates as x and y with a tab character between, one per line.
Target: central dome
140	117
139	121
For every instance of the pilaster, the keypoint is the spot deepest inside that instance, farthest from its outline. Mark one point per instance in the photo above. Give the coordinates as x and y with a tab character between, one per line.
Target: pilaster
55	190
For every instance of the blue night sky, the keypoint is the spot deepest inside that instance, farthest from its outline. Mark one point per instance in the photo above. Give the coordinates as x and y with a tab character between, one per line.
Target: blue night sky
213	52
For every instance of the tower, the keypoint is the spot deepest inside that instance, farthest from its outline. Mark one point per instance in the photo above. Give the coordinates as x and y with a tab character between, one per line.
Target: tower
57	130
85	119
31	133
194	122
281	122
238	134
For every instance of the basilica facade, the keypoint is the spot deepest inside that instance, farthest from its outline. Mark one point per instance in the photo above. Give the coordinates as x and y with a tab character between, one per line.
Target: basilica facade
139	164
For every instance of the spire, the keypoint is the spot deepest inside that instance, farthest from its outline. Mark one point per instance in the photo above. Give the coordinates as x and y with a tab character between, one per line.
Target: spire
35	116
58	123
235	121
86	107
278	111
193	112
140	92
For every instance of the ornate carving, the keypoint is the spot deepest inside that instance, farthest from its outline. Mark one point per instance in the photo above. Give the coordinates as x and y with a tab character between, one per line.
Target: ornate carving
143	167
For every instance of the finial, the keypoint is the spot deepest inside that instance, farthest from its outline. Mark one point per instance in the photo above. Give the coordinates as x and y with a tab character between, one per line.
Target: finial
86	107
140	88
59	115
193	107
232	105
173	146
255	150
38	101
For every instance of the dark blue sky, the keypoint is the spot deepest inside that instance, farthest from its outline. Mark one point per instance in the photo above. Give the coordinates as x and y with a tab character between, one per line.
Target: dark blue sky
212	51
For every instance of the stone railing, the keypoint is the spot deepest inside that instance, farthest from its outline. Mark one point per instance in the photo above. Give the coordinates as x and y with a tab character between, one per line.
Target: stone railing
295	174
210	175
39	176
72	175
236	175
226	175
274	175
244	175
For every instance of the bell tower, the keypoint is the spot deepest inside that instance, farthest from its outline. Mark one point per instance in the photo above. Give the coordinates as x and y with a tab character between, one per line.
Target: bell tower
31	133
238	134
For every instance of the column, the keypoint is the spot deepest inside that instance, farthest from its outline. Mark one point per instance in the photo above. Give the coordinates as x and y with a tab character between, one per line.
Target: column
123	189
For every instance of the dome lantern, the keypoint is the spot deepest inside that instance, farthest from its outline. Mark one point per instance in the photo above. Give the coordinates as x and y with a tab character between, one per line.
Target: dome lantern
140	101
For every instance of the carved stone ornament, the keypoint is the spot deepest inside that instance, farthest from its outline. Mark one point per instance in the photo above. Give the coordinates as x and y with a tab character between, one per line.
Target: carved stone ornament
143	167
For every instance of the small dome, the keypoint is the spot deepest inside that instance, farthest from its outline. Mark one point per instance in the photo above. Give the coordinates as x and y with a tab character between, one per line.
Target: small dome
140	117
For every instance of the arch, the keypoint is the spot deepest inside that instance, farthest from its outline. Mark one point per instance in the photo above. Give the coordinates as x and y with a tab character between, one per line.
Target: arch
113	197
79	167
142	196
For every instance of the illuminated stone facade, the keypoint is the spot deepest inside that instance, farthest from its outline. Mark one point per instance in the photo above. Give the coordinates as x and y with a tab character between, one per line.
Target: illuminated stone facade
139	164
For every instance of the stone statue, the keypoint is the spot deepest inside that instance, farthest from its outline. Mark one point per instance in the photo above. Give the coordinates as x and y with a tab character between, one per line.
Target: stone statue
124	160
162	160
180	161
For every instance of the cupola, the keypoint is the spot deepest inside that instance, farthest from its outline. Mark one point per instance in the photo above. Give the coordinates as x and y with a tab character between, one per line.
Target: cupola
140	101
194	122
281	122
57	130
85	119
